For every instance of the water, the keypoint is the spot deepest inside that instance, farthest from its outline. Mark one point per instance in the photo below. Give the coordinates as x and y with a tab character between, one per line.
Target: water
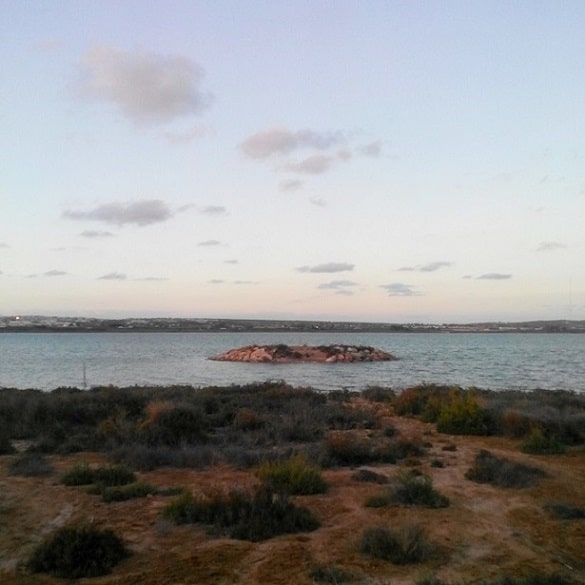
492	361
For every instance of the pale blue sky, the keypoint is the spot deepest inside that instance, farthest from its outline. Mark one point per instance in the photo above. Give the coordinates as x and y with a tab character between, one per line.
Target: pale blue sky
386	161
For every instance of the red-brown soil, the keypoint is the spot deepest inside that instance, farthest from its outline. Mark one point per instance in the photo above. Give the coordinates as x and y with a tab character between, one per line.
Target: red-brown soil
485	532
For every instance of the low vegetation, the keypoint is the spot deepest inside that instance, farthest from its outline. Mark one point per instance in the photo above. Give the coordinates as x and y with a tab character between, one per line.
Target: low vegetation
401	546
502	472
255	516
411	488
31	465
558	417
78	551
295	476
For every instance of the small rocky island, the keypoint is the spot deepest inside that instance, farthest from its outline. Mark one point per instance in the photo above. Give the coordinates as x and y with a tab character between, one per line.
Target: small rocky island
289	354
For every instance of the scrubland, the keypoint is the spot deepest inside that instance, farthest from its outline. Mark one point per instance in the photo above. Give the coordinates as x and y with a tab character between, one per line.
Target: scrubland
267	483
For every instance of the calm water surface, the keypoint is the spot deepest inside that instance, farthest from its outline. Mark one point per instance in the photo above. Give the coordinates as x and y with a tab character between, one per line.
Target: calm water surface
494	361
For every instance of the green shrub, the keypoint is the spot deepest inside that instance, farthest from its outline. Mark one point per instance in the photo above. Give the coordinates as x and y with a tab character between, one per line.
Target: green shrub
463	415
413	489
256	516
80	474
121	493
31	465
76	552
497	471
401	546
537	443
109	476
292	476
416	489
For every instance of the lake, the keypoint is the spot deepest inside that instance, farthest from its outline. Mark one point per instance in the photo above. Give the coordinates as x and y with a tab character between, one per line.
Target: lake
491	361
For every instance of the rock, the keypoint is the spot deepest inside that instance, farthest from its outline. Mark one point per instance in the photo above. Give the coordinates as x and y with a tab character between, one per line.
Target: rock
286	354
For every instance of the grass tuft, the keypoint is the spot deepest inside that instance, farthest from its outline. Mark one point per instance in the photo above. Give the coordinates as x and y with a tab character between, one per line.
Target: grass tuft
292	476
402	546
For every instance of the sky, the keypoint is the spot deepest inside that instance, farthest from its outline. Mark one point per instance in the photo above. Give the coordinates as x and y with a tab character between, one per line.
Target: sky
393	161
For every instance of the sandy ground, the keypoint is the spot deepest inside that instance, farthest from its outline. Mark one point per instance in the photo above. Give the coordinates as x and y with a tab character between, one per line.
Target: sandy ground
486	530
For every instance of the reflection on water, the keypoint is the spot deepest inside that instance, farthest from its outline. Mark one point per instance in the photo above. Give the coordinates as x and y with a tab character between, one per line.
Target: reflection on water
496	361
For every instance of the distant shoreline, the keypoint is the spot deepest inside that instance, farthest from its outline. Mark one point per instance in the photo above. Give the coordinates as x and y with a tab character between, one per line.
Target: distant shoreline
52	324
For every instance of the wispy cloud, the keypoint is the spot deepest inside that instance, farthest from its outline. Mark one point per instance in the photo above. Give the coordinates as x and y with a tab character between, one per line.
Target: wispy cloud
318	201
550	246
151	279
146	87
429	267
339	287
245	282
96	234
213	210
400	289
143	212
113	276
282	141
373	149
291	185
328	267
337	284
55	273
315	164
494	276
216	281
4	245
231	261
209	243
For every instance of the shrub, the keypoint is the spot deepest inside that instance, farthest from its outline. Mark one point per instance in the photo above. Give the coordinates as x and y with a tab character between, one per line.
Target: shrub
402	546
76	552
121	493
416	489
174	426
379	394
113	475
247	419
534	579
330	574
292	476
256	516
565	511
31	465
6	447
429	579
80	474
501	472
369	476
352	449
537	443
413	489
379	500
463	415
